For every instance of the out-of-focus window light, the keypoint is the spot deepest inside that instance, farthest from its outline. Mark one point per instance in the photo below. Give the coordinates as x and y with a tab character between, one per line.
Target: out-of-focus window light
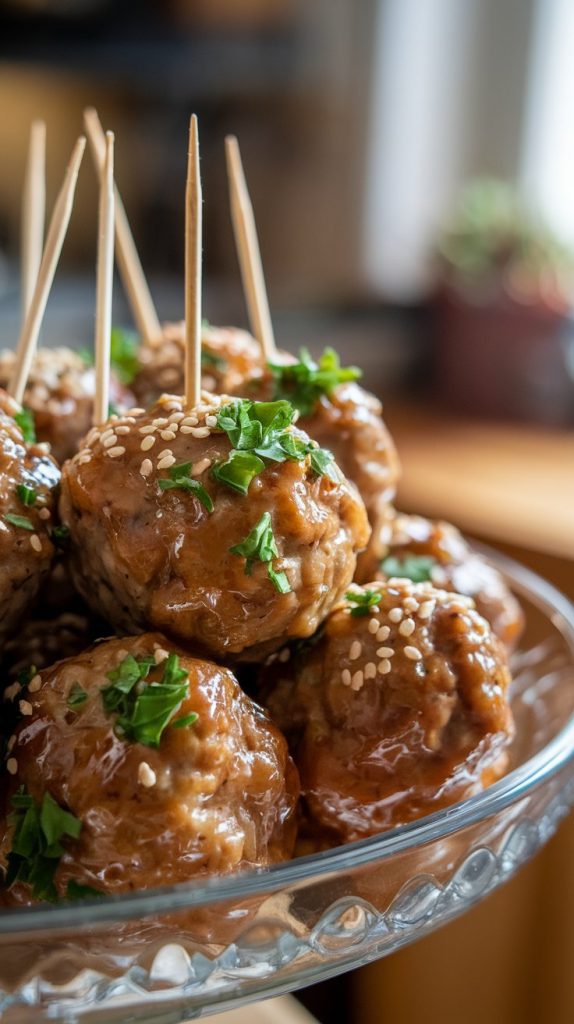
547	163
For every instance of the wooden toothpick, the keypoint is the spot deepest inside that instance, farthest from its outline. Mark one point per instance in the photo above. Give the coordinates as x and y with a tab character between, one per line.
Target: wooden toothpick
54	242
104	284
129	263
193	237
33	212
248	251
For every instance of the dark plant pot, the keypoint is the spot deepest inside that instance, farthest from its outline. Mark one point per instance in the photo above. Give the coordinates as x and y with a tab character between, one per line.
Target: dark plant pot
503	359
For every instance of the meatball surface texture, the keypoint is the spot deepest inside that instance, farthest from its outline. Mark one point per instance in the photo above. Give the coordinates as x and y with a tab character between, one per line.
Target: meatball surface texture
29	478
229	356
169	771
178	524
60	394
437	551
399	709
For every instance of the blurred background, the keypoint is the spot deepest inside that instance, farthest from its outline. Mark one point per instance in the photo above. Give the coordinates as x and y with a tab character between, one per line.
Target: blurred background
411	165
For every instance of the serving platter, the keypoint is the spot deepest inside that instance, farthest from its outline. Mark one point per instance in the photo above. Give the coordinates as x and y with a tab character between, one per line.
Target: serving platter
189	951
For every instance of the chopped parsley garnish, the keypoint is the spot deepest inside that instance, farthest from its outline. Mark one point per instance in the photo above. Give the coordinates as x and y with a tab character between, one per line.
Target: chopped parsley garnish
21	521
77	696
260	546
124	354
304	382
417	568
27	495
185	720
77	891
211	361
60	535
36	843
260	433
179	477
364	601
323	464
143	712
25	420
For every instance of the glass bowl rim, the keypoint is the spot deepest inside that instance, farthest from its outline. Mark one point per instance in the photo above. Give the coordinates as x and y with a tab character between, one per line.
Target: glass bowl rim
252	883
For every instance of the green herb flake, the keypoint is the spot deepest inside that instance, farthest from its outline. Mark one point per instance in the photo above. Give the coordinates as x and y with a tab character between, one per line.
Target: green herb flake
303	383
77	696
25	420
60	536
77	891
260	546
27	495
363	600
179	478
22	521
124	354
185	720
26	675
417	568
37	843
323	464
143	712
260	432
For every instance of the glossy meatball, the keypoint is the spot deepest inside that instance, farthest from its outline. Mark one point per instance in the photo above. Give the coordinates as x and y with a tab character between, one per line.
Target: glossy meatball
44	639
394	713
168	770
161	536
437	551
29	478
60	394
229	356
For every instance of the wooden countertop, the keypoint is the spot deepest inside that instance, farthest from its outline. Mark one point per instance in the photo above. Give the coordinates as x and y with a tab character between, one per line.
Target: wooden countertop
508	482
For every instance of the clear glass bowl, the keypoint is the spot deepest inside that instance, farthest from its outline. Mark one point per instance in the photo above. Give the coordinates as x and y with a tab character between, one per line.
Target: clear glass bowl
187	951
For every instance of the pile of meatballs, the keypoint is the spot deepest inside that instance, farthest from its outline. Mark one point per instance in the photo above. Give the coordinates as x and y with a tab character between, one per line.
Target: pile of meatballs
221	644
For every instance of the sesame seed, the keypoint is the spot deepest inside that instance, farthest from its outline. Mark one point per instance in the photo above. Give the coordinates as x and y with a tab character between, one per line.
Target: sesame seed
410	604
12	765
407	627
147	443
35	684
346	677
44	513
36	542
200	467
166	451
190	421
385	652
135	411
355	650
176	417
12	691
383	633
122	430
146	467
160	655
413	653
370	670
161	422
357	680
105	434
384	667
200	431
114	453
148	429
426	609
109	441
186	430
25	707
374	625
166	462
167	435
146	775
211	421
396	614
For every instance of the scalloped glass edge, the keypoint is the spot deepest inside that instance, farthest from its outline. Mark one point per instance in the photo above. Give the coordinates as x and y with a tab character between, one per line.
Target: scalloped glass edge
545	764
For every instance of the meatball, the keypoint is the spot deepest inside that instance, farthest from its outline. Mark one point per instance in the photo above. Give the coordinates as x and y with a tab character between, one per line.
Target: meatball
60	393
44	639
229	356
150	766
399	709
224	525
29	478
429	550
